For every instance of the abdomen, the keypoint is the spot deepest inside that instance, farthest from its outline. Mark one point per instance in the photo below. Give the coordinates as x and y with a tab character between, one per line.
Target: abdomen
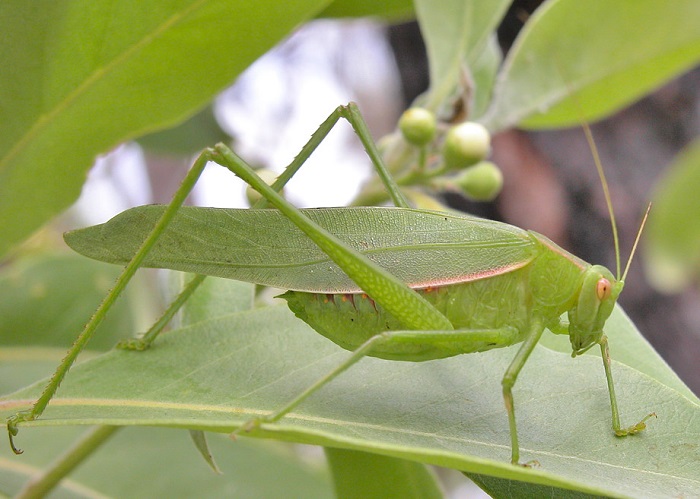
349	320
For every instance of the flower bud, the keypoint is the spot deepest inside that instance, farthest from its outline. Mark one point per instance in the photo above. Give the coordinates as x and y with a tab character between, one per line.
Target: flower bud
418	126
481	182
268	177
466	144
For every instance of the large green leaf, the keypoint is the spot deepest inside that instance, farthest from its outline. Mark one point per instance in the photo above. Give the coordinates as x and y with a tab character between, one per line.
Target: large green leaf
576	60
672	256
83	77
216	374
160	462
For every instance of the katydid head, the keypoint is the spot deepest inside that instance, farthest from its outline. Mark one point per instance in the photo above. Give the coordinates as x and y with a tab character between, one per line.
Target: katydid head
596	300
600	288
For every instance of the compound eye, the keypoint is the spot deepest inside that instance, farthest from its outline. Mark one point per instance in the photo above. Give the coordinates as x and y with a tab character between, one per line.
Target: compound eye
603	288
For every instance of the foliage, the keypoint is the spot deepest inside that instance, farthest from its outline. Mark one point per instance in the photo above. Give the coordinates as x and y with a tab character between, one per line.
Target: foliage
68	101
673	248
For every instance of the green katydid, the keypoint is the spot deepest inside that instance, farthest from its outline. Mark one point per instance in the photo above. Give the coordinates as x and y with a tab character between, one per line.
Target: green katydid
394	283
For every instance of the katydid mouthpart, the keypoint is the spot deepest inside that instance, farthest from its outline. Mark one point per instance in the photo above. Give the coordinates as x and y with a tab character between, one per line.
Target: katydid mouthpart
368	278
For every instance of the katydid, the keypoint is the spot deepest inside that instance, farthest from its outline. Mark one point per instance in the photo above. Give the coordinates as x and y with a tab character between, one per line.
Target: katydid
394	283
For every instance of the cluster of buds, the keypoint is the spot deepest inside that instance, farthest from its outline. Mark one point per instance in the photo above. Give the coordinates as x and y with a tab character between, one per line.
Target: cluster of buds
464	149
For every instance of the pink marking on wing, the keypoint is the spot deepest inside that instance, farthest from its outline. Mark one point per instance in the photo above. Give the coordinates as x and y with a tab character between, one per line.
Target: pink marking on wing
475	276
447	281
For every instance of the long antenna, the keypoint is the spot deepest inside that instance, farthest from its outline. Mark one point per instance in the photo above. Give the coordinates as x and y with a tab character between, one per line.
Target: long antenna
606	190
598	165
636	240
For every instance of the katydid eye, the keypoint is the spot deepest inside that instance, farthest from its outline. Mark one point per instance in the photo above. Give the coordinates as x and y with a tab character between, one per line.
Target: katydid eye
602	288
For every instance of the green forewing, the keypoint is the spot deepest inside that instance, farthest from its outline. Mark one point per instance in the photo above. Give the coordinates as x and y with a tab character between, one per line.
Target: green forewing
422	248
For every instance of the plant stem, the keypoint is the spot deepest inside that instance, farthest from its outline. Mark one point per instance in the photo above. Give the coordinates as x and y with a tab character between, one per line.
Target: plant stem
41	484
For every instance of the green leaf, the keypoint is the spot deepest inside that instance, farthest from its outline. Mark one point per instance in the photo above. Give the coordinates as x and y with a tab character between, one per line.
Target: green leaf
585	60
188	138
199	439
498	488
484	71
152	462
366	476
456	35
162	462
217	374
46	299
387	9
672	256
87	76
214	297
629	347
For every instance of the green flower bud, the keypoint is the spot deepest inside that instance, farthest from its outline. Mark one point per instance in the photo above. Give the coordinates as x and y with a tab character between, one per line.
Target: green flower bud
481	182
268	177
418	126
466	144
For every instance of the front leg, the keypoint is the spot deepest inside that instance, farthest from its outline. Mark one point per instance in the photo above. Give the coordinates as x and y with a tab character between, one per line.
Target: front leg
508	381
617	427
